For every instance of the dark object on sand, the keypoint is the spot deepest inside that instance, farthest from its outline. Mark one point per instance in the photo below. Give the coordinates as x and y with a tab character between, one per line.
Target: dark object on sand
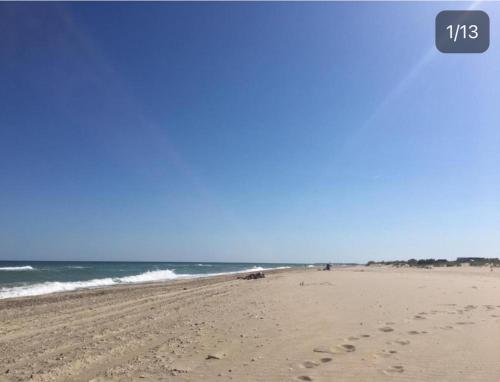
328	267
253	276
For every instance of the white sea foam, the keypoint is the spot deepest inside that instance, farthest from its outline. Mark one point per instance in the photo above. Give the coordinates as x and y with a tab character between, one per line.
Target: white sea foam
203	265
149	276
159	275
52	287
310	266
22	268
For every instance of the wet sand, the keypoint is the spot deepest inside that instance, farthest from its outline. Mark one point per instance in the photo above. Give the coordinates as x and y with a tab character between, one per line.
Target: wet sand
350	324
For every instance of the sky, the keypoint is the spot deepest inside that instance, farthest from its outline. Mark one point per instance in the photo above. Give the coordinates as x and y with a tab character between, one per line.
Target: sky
252	132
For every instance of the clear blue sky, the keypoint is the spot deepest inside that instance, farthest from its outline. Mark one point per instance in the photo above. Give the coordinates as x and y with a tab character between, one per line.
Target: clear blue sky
245	132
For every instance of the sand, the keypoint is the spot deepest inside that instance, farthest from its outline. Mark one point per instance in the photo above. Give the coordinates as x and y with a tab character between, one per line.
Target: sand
350	324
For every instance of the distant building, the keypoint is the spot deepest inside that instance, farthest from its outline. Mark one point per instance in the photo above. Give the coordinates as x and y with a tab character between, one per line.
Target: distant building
469	259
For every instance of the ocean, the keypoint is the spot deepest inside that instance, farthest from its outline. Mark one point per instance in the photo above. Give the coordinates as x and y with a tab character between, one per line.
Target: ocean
33	278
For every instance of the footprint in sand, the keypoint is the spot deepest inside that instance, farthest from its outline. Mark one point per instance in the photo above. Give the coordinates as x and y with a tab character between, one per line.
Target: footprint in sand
309	364
304	378
413	332
347	348
394	369
324	349
419	317
313	364
447	327
402	342
386	329
344	348
465	323
386	353
365	335
353	338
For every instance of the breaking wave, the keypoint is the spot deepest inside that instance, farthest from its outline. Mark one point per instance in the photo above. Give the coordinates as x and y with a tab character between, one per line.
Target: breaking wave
22	268
149	276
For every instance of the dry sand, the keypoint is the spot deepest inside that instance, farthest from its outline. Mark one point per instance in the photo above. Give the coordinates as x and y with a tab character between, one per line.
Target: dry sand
351	324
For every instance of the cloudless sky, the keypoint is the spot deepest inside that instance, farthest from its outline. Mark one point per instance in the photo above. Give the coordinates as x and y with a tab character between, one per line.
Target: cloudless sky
258	132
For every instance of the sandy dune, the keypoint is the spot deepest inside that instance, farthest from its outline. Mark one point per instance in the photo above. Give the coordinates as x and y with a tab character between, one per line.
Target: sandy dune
351	324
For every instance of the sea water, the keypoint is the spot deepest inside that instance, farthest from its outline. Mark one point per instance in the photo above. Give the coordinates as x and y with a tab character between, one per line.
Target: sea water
32	278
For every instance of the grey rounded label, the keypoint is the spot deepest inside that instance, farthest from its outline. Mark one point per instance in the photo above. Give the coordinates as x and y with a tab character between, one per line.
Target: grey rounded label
462	31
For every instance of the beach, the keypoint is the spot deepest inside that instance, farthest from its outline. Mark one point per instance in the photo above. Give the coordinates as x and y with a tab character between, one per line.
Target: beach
350	324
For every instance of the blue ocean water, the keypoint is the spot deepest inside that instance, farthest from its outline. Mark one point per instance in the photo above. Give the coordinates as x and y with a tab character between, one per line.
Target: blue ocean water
31	278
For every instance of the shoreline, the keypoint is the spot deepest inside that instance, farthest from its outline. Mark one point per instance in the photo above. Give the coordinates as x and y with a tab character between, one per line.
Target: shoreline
349	324
148	276
124	287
